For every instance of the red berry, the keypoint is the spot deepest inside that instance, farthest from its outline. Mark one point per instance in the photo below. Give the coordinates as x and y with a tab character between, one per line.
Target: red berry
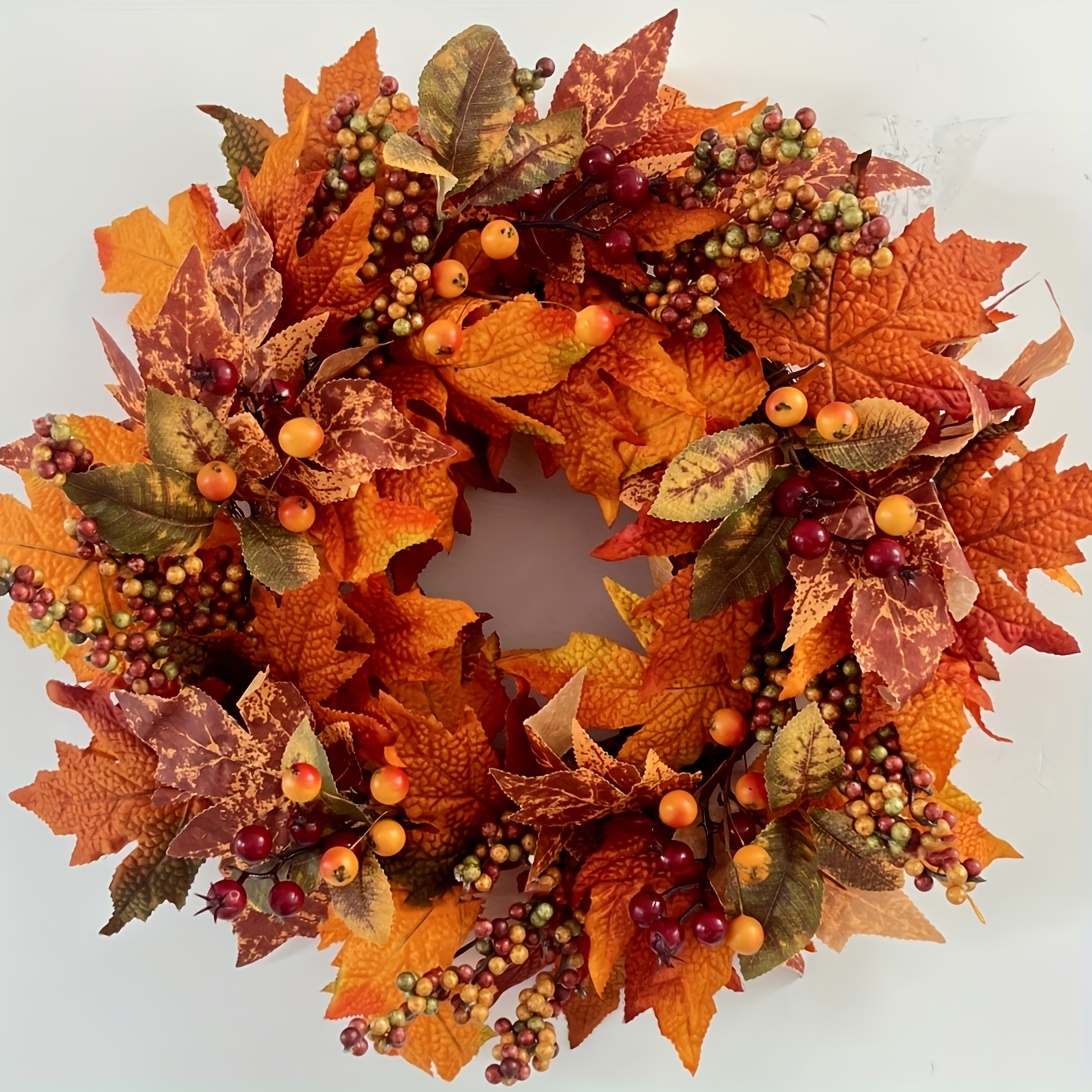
252	843
883	556
806	116
226	900
628	185
809	539
305	830
219	376
545	67
286	898
646	907
596	161
973	866
677	857
666	938
710	927
388	86
276	392
879	227
829	484
617	244
535	201
791	496
924	882
771	122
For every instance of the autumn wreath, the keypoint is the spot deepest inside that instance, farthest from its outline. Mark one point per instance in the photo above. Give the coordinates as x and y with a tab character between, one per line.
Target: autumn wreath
698	313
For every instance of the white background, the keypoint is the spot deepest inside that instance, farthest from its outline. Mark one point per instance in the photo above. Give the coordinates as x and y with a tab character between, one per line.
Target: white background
97	119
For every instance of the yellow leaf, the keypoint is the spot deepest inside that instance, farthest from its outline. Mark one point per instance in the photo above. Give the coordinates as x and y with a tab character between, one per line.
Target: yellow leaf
848	912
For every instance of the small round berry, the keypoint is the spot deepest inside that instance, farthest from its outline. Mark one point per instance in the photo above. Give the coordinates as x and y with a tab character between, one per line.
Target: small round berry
628	185
594	325
806	116
710	928
442	337
750	791
596	161
752	863
786	406
388	837
252	843
500	240
450	278
728	727
836	421
791	496
896	514
296	514
216	481
301	437
389	785
276	392
305	830
666	936
226	900
677	857
618	244
301	782
220	376
678	808
924	882
286	898
745	934
339	866
809	539
646	907
883	556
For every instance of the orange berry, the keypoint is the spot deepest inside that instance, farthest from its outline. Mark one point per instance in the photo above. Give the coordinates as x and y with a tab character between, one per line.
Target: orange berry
499	239
301	437
389	785
388	837
216	481
786	406
896	514
745	934
752	863
750	791
339	866
594	325
442	337
301	782
296	514
678	808
449	278
836	421
728	727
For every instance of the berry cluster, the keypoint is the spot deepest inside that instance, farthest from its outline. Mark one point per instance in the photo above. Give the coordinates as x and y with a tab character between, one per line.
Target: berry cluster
530	80
763	676
58	453
503	845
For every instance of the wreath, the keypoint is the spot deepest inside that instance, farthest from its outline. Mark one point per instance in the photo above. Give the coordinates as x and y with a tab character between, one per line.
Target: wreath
703	315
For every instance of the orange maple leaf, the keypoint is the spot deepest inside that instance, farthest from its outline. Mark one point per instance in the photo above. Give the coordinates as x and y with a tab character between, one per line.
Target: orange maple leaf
971	836
648	536
680	127
877	336
824	644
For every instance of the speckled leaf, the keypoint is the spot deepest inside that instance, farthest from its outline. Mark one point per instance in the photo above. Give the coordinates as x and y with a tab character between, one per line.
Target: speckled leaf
848	912
888	431
282	560
467	101
804	761
366	905
847	857
184	435
129	388
255	450
717	474
554	721
142	508
244	144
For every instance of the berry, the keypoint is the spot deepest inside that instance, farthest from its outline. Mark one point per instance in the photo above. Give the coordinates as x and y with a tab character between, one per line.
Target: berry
219	376
924	882
276	392
836	421
750	791
710	927
745	934
618	244
791	496
388	837
666	938
339	866
628	185
678	808
305	830
216	481
806	116
545	67
301	782
896	514
786	406
296	514
596	161
752	863
646	907
389	785
226	900
883	556
286	898
442	337
728	727
594	325
809	539
301	437
252	843
500	240
677	857
449	278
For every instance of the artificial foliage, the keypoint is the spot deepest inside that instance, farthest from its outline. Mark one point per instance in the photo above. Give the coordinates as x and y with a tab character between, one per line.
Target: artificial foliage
700	315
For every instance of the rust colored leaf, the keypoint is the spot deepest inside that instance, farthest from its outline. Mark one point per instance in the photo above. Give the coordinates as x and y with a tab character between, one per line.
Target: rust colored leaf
730	389
849	912
660	226
129	388
648	536
257	934
681	125
584	1014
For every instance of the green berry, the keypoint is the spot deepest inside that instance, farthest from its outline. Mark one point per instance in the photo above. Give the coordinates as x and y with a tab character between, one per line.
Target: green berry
367	165
406	981
900	833
790	129
757	127
432	1006
790	149
878	753
401	327
386	131
727	159
699	329
359	124
894	806
754	141
524	77
826	212
771	238
712	248
853	218
420	244
736	237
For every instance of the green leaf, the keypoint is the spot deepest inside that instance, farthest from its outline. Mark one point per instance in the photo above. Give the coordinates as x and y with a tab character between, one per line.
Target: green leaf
305	746
716	475
184	434
805	760
888	431
244	144
257	892
743	557
788	903
143	508
531	156
366	905
847	857
147	878
467	102
304	870
278	558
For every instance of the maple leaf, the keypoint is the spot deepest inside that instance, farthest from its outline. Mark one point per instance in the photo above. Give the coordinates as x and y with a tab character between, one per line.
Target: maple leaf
879	337
850	912
681	125
827	642
583	1014
140	253
973	838
729	387
257	933
128	391
298	637
103	793
660	226
648	536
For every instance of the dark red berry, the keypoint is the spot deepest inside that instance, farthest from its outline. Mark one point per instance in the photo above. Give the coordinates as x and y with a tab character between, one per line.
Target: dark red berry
252	843
545	67
535	201
806	116
809	539
677	857
973	866
646	907
226	899
305	830
349	1036
628	185
617	244
883	556
830	485
220	376
388	86
596	161
286	898
709	927
666	938
924	882
879	227
771	122
791	496
87	528
65	462
276	392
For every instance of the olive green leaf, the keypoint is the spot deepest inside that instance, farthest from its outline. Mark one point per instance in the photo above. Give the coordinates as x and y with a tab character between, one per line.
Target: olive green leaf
411	155
718	474
888	431
847	857
144	508
278	558
467	102
805	760
367	904
244	144
184	434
